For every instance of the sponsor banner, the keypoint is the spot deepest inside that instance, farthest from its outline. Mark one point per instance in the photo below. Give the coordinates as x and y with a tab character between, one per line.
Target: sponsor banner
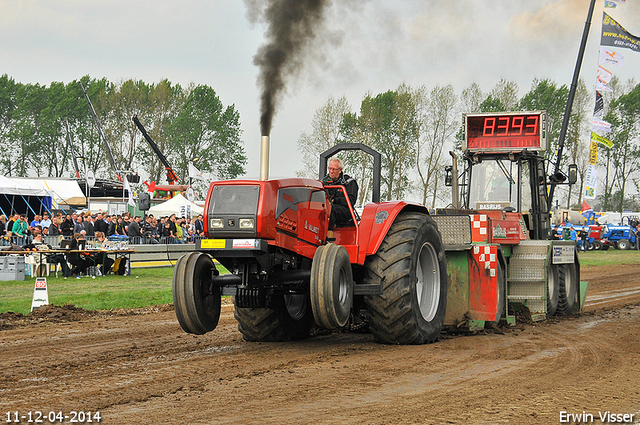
591	182
599	125
593	153
609	57
613	34
595	137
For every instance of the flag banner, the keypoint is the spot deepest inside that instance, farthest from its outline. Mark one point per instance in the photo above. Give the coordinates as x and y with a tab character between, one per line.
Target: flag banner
609	57
599	125
604	74
599	139
599	108
194	173
585	206
593	153
129	191
591	182
602	86
613	34
610	3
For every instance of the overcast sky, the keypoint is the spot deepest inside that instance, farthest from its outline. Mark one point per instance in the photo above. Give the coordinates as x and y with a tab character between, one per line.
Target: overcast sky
368	47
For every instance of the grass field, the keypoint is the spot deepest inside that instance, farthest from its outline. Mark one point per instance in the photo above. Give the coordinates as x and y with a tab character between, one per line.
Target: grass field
145	287
152	286
609	257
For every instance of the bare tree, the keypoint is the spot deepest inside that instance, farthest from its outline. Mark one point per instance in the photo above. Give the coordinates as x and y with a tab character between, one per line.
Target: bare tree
326	125
438	118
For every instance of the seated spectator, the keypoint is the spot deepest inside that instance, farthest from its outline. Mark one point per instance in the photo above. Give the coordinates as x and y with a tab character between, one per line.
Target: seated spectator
101	257
167	234
149	232
54	259
79	261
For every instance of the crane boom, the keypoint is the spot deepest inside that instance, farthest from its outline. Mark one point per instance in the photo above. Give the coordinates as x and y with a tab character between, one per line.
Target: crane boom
171	175
73	153
104	139
569	105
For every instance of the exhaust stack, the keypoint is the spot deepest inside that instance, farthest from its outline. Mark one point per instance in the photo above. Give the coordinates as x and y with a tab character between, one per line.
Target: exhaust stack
264	159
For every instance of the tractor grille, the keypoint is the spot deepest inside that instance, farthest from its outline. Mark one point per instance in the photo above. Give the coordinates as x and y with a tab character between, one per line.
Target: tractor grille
235	199
233	211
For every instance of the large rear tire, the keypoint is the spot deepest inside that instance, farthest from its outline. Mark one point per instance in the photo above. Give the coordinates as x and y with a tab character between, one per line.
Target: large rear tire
553	290
196	301
331	286
412	267
623	244
568	289
276	324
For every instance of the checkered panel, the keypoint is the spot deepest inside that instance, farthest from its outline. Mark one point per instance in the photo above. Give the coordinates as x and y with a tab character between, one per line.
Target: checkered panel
487	255
479	227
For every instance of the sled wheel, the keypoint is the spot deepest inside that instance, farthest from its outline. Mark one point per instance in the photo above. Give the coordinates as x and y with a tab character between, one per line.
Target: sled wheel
553	290
196	301
568	289
411	264
331	286
289	318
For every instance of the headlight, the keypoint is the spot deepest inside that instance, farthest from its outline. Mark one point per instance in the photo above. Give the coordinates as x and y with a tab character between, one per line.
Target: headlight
246	223
217	223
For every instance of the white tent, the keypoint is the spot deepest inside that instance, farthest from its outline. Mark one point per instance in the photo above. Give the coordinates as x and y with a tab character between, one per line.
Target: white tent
11	186
177	205
62	191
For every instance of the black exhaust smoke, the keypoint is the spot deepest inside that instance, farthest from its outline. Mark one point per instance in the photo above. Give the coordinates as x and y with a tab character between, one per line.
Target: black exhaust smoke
292	25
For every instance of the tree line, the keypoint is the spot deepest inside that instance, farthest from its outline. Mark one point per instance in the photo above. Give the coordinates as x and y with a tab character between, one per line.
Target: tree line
185	123
414	128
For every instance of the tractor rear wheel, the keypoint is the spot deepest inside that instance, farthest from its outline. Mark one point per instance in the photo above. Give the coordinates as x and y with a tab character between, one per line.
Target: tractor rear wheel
411	265
331	286
623	244
276	324
568	289
196	301
553	290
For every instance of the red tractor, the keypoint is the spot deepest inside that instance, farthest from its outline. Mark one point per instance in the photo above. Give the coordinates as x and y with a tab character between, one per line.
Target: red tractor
387	268
401	271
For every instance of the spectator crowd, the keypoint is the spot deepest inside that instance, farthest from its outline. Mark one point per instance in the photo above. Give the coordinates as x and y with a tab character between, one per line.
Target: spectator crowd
17	230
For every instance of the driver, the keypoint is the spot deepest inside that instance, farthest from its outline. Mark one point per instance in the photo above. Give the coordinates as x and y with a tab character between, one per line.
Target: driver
340	213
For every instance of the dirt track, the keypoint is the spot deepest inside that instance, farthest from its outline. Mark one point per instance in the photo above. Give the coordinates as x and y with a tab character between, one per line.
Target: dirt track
143	369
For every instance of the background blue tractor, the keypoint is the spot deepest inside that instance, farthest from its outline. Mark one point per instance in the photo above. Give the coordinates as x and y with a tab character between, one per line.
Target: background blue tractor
623	236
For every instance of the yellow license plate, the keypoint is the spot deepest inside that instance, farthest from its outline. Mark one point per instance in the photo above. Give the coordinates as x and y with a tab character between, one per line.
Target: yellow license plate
213	243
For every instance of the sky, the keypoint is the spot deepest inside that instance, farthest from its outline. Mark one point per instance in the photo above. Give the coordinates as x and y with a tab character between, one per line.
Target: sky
366	47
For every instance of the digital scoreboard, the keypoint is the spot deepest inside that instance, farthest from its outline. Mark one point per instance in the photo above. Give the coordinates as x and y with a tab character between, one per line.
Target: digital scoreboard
505	131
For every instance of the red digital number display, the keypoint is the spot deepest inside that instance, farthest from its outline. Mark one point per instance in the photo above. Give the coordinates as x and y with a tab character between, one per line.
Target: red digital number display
505	131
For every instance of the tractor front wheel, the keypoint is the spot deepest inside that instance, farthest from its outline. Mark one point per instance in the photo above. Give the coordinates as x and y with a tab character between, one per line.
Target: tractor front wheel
411	265
331	286
196	301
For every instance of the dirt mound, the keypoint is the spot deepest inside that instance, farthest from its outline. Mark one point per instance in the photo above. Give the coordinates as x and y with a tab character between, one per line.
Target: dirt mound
70	313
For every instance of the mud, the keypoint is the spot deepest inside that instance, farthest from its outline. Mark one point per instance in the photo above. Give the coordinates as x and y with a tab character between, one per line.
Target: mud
140	367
